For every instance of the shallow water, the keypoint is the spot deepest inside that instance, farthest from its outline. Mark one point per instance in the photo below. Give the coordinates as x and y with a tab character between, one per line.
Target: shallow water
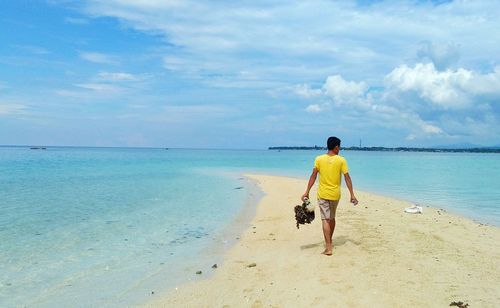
108	226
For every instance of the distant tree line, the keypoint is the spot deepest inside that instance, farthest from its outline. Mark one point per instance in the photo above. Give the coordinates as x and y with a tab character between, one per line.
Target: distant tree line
398	149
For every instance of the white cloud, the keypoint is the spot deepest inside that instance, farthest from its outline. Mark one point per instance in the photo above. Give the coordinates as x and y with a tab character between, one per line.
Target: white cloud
449	89
342	91
104	83
100	87
12	108
451	92
299	90
445	89
486	84
117	76
305	91
101	58
430	129
336	88
174	63
314	108
411	137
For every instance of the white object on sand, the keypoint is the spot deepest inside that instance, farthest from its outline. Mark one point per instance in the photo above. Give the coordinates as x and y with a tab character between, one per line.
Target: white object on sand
414	210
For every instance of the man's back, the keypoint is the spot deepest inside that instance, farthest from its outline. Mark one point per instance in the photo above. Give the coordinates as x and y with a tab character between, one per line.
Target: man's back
330	168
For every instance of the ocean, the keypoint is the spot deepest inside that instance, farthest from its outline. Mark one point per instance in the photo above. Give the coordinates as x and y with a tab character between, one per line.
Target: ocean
116	226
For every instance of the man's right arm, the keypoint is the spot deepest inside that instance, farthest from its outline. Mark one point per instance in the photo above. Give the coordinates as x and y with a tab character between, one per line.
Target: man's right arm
312	180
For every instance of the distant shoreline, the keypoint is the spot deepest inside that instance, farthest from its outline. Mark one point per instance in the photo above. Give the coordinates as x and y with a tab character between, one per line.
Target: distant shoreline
288	148
398	149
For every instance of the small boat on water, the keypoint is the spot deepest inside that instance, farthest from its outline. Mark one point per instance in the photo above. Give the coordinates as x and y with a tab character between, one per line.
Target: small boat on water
38	148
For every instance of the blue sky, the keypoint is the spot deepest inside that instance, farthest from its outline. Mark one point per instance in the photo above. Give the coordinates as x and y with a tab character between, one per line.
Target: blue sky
249	74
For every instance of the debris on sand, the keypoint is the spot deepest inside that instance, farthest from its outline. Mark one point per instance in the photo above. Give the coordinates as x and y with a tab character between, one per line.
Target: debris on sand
214	266
459	304
198	272
414	209
252	265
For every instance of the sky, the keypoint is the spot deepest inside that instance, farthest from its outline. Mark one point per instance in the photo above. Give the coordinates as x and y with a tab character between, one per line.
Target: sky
249	74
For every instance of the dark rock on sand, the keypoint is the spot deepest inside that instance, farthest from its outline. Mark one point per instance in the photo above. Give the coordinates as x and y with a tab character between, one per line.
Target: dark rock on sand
459	304
198	272
252	265
214	266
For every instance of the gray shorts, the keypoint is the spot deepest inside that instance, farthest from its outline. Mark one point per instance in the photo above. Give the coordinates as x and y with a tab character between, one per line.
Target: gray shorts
328	208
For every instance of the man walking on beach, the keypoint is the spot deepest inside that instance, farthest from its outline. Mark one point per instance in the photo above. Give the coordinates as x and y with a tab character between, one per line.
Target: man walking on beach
330	167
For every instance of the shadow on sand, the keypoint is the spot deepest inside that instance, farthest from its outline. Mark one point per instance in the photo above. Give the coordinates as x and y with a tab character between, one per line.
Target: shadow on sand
337	241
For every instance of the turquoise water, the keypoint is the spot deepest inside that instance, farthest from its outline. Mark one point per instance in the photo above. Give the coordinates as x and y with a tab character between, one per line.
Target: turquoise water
109	226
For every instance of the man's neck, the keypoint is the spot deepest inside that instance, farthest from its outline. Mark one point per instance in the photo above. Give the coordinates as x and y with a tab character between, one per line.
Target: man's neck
331	153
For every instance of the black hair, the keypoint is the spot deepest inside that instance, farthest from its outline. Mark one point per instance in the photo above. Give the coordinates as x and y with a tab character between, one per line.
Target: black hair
332	143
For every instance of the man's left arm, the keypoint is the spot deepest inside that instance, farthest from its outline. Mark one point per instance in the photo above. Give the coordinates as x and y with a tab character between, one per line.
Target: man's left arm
348	182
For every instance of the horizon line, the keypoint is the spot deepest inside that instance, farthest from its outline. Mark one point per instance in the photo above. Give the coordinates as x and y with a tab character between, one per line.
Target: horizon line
242	149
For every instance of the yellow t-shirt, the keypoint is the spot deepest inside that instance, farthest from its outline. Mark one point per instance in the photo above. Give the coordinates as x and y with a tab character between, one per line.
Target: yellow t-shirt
330	170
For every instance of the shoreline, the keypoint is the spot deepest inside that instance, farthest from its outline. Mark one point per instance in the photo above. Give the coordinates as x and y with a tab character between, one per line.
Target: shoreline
221	242
382	257
230	234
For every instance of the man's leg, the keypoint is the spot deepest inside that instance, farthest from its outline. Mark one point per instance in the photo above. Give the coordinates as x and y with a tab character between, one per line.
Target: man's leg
327	209
327	233
332	209
333	212
331	222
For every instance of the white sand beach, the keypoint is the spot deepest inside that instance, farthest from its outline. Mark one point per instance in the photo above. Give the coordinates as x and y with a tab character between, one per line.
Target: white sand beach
382	257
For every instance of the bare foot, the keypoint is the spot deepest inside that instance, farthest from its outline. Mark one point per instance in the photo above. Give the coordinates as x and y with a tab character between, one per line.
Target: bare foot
327	252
